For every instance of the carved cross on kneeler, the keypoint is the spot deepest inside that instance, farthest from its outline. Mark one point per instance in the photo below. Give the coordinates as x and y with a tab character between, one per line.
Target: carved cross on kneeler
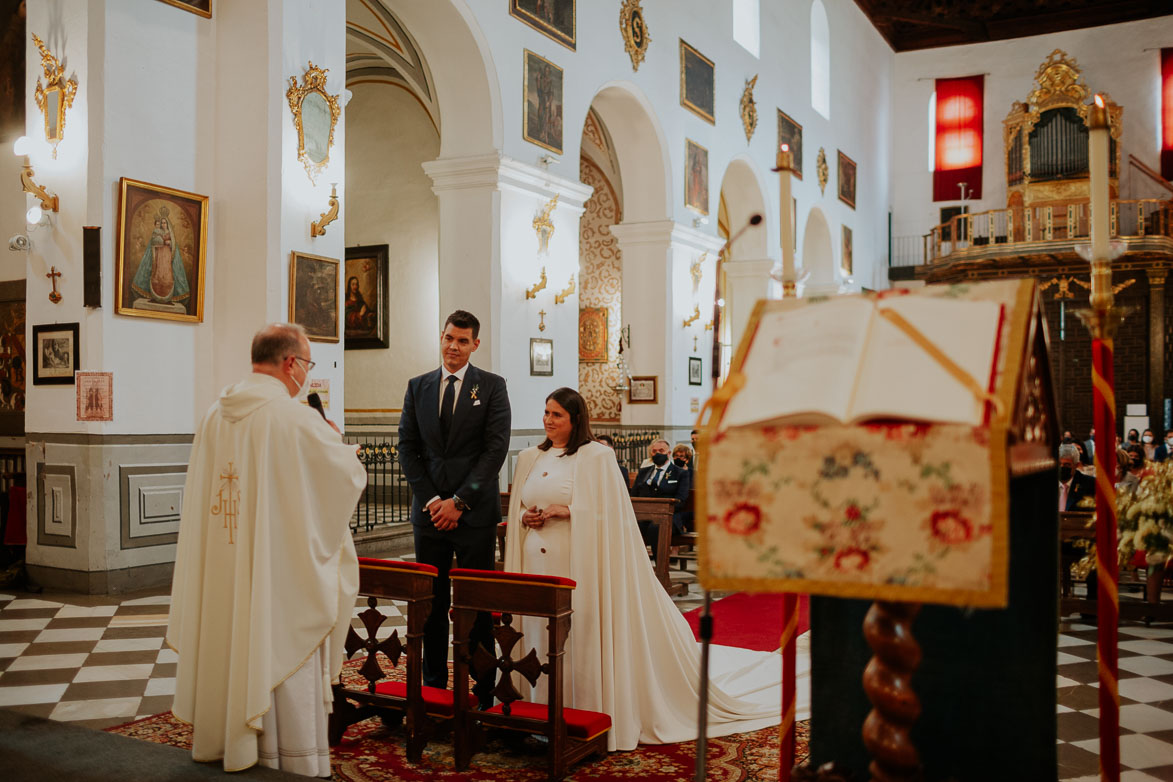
53	274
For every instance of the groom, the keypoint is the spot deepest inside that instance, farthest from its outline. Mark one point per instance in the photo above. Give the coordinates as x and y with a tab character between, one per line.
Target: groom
453	438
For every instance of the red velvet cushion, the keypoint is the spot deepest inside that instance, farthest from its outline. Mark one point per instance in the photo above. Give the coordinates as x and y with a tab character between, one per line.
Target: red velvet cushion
505	575
579	724
397	564
436	701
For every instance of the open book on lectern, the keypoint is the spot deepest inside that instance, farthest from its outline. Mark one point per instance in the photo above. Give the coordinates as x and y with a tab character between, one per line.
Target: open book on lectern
852	359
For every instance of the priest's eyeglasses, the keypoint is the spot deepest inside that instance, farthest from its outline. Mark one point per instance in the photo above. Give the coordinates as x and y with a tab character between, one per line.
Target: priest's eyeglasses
308	364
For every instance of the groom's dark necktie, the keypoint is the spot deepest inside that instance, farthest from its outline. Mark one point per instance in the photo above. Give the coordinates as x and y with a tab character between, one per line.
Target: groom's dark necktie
446	405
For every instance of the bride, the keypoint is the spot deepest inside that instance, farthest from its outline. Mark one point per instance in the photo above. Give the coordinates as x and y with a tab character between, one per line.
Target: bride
630	653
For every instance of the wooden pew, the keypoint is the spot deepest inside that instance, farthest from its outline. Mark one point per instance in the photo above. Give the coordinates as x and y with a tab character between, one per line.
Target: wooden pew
1073	525
657	510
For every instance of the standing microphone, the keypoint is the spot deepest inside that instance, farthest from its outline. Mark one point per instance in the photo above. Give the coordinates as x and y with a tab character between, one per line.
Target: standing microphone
754	219
315	401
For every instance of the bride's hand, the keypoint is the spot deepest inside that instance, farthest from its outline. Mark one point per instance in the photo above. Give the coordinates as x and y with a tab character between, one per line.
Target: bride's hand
532	518
553	512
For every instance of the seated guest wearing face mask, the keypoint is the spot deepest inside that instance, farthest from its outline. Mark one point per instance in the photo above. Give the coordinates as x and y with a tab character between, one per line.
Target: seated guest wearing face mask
1073	485
1165	448
1149	443
661	478
1130	473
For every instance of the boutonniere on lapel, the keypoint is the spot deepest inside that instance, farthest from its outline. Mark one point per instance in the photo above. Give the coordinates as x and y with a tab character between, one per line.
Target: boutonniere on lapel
473	394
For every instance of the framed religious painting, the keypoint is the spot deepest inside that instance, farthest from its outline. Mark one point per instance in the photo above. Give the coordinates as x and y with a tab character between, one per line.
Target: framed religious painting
54	354
162	242
313	295
95	396
14	357
695	368
790	132
541	357
696	177
12	69
846	180
696	83
365	297
847	262
592	335
642	390
552	18
542	118
201	7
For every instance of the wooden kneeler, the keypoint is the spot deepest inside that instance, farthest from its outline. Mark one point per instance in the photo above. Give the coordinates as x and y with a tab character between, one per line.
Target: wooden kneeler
573	734
407	701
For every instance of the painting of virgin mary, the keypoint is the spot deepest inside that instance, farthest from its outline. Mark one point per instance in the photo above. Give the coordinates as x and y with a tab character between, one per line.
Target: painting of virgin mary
160	275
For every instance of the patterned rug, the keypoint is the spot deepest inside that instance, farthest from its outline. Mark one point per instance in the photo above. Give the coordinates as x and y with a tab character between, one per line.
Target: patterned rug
369	752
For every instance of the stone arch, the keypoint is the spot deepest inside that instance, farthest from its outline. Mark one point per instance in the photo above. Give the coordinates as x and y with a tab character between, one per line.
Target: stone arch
818	252
641	149
743	196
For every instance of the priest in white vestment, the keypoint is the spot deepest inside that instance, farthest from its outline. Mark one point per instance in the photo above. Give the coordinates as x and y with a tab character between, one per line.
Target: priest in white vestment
630	652
265	574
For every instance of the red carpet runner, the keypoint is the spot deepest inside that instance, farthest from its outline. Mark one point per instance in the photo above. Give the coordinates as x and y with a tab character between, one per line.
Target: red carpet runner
750	621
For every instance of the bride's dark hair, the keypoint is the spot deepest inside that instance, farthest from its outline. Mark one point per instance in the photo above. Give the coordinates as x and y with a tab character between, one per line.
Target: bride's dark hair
580	421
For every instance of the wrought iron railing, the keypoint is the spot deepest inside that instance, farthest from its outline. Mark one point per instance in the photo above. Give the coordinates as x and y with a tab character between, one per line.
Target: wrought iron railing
1043	228
387	497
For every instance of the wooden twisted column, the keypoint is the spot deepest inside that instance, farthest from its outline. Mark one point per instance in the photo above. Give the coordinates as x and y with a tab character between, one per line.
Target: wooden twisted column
887	680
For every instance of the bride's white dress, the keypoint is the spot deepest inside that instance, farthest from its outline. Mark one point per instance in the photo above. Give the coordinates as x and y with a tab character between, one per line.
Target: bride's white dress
630	653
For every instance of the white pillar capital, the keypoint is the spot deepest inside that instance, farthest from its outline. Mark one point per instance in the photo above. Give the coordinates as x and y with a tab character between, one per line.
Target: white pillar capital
495	171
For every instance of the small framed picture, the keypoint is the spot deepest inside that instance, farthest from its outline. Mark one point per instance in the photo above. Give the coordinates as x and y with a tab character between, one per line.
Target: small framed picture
541	357
552	18
55	354
541	121
313	295
696	177
366	295
643	390
201	7
846	180
694	371
95	396
696	83
847	263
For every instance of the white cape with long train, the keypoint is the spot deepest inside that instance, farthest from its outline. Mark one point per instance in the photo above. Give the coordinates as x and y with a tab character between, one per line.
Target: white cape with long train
630	653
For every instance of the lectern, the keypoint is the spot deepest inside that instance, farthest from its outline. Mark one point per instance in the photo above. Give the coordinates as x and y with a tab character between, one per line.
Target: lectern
882	452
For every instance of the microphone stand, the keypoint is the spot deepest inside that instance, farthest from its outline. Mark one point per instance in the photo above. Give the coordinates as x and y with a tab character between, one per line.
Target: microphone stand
706	619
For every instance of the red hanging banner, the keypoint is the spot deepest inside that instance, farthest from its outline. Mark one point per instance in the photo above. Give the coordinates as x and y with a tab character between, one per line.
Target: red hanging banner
958	142
1167	113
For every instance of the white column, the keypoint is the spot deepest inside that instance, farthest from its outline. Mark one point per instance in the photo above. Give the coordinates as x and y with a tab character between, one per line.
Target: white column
745	283
658	297
490	256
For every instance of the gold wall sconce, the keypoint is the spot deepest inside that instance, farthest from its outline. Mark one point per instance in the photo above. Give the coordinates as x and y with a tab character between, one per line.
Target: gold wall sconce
544	226
325	218
560	297
55	96
49	202
532	291
697	270
709	326
696	315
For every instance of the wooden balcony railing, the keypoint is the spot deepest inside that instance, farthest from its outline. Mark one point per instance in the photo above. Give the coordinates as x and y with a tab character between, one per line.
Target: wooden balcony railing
1042	229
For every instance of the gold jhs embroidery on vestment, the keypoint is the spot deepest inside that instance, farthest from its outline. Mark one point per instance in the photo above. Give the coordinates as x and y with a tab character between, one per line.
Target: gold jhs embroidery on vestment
228	500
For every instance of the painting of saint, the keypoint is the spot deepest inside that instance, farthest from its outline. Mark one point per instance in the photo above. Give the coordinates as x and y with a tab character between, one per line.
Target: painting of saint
542	121
553	18
697	93
12	22
696	177
790	132
848	263
365	294
313	295
846	180
162	233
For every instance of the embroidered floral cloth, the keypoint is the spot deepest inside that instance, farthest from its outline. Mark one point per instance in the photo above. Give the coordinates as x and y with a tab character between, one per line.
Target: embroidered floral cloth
895	511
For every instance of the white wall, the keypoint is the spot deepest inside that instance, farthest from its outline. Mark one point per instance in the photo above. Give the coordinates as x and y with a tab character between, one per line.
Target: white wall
1112	58
389	200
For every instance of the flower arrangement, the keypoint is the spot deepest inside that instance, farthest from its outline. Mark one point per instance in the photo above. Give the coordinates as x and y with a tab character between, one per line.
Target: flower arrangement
1145	516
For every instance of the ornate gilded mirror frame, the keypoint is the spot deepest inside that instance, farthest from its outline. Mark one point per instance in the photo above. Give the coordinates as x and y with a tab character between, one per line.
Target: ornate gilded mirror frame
313	140
55	96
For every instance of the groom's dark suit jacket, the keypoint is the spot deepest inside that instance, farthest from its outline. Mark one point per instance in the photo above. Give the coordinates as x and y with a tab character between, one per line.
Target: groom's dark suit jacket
467	464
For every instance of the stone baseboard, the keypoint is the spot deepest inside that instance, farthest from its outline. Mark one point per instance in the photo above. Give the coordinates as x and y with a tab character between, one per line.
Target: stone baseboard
102	582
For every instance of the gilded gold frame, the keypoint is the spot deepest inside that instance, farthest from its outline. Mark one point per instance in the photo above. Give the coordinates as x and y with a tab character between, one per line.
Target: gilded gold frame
684	101
191	8
294	256
200	264
548	30
314	80
688	145
55	82
631	15
526	54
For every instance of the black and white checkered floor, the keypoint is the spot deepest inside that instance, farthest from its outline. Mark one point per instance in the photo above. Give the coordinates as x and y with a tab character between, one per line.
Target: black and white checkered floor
100	661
